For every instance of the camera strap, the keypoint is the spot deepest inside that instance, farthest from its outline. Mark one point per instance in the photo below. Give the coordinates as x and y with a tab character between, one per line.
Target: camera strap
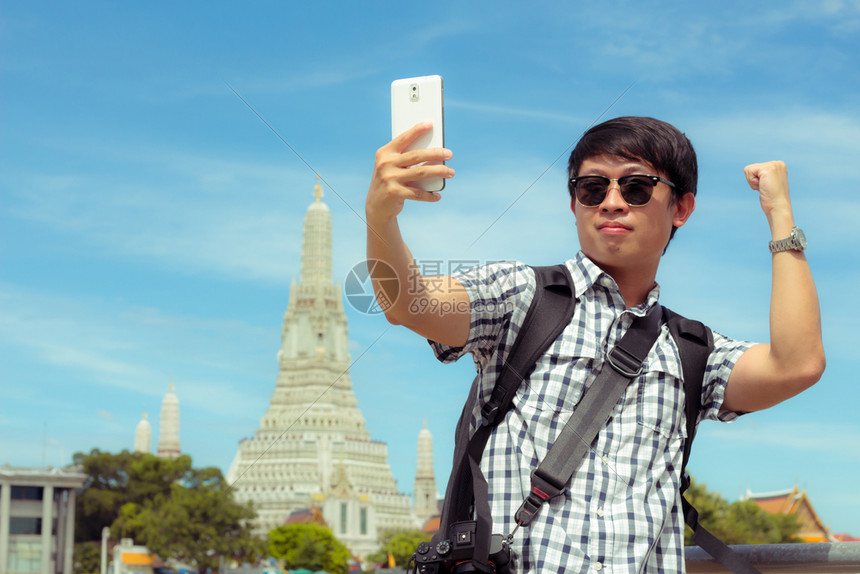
622	364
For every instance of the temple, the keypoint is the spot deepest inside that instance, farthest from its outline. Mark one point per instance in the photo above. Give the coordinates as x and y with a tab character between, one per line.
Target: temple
794	502
312	449
168	426
425	492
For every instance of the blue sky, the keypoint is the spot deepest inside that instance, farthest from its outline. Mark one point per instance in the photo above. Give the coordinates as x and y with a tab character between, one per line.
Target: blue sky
150	222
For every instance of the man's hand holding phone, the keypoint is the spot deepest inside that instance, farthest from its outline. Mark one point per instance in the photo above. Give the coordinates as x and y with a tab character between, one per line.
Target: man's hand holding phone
397	171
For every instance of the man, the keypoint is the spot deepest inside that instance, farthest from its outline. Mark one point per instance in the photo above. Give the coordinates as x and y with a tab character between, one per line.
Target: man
633	183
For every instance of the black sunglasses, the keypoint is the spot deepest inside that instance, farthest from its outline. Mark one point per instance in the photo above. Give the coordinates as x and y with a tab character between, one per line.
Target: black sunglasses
636	189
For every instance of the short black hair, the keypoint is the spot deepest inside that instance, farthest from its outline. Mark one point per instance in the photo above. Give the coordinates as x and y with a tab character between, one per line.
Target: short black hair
641	138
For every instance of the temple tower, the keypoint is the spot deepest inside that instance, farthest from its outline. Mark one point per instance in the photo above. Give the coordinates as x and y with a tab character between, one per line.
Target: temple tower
143	436
168	426
425	481
312	446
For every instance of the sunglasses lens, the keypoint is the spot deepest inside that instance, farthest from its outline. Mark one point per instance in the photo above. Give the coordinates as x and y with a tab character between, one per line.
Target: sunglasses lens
590	191
636	190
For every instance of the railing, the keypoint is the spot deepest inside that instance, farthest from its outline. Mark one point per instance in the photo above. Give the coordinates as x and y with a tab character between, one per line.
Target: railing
806	558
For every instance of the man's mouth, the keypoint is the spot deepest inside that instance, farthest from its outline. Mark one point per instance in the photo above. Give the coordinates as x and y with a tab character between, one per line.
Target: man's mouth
613	227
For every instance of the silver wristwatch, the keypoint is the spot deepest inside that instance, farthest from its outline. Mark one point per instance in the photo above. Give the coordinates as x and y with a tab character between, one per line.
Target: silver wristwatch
795	241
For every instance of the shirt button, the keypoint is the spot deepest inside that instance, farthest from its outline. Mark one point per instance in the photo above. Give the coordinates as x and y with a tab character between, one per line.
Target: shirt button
606	281
598	566
600	512
605	460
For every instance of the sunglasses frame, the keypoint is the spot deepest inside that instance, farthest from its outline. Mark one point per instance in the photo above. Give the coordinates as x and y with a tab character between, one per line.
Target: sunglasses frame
654	179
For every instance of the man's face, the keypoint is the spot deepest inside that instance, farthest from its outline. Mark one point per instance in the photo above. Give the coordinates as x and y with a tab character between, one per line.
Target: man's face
621	238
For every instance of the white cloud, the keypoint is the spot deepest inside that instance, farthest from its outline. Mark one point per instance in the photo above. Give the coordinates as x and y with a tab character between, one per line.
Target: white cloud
115	345
812	141
510	111
225	217
103	414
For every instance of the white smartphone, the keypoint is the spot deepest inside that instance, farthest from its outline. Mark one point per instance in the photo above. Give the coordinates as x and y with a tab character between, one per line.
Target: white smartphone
414	100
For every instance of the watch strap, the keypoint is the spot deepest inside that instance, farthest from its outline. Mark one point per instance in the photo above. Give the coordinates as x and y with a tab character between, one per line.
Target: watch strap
796	241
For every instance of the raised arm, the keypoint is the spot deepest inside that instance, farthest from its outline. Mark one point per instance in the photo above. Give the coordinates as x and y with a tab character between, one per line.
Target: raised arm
435	308
794	360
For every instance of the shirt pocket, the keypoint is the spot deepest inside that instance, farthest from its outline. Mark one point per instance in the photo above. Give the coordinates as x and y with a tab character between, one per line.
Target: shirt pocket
660	399
546	400
561	375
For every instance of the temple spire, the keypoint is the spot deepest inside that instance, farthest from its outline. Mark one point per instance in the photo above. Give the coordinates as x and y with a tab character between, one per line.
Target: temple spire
168	425
316	243
425	481
318	192
143	436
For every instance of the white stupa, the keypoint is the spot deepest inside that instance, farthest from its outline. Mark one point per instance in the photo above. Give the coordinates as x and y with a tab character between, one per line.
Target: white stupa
143	436
312	447
426	495
168	426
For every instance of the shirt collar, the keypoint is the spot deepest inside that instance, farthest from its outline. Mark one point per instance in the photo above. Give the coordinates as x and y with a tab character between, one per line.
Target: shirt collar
586	274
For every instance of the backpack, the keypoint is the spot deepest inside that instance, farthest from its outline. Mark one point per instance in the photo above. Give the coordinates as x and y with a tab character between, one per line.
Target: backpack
550	311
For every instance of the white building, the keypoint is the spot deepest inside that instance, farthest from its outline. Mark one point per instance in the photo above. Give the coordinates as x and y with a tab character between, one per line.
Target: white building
37	519
168	426
168	429
143	436
425	493
312	446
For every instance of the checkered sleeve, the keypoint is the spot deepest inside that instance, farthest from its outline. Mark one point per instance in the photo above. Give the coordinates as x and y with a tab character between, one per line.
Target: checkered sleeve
499	297
720	364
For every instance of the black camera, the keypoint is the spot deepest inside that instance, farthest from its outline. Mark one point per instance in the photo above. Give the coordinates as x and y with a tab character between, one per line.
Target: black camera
454	554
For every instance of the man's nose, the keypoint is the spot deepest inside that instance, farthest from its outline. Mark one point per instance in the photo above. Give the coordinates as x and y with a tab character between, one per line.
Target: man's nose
613	200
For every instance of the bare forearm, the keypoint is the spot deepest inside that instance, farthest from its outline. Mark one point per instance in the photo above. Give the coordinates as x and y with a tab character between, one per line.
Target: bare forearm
796	346
387	251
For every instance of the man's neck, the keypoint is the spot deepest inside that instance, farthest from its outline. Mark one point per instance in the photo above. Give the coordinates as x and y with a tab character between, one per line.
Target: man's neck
634	283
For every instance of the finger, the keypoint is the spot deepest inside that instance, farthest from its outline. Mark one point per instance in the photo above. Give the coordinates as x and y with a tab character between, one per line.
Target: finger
425	196
410	191
751	172
405	139
420	172
414	157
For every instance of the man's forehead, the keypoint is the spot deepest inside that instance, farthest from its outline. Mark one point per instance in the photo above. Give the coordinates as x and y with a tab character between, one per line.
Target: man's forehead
614	162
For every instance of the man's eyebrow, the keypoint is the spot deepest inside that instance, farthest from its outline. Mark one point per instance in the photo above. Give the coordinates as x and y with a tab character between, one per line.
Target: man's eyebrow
629	169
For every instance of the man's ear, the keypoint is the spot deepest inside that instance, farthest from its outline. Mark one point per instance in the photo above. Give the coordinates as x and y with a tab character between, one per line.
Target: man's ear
573	205
684	207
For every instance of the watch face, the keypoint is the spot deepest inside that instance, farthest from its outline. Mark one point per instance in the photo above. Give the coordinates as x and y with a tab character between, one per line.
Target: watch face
800	238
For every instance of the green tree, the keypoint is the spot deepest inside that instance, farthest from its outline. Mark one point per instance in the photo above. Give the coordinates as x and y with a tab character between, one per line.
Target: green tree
87	558
104	491
741	522
117	479
309	546
177	511
400	544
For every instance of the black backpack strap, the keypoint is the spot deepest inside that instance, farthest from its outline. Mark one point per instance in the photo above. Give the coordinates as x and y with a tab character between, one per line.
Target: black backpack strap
550	311
695	343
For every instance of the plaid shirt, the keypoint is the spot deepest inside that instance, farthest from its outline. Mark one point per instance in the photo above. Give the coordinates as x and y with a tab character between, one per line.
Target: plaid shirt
621	510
